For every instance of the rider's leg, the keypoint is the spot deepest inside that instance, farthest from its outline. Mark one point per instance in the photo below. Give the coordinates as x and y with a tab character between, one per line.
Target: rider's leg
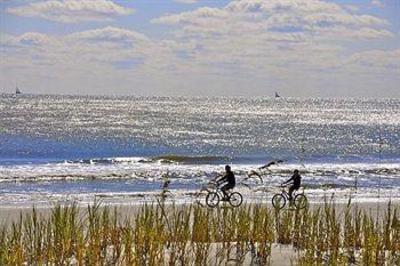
224	188
291	190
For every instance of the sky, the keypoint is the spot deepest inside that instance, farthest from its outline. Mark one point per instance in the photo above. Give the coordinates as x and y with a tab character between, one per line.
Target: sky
299	48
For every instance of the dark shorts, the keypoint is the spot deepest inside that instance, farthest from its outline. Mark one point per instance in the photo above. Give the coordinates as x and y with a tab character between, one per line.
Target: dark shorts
227	187
295	187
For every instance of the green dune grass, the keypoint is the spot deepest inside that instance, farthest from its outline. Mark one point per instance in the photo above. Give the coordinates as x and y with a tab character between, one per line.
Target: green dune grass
193	235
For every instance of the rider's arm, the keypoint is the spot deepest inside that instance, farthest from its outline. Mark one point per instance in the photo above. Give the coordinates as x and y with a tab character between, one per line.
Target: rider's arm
222	179
287	181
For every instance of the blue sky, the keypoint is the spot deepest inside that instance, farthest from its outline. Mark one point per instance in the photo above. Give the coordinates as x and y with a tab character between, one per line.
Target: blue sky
188	47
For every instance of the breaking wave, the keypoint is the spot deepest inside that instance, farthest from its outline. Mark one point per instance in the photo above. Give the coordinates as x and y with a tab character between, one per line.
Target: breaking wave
194	169
166	159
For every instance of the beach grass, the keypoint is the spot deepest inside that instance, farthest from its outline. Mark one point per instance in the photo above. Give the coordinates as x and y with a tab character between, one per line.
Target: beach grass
165	234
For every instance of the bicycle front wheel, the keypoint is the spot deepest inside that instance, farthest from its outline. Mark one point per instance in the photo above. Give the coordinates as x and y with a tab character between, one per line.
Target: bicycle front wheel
278	201
235	199
212	199
300	201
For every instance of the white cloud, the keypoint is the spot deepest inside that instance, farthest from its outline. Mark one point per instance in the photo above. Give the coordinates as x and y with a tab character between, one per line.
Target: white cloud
284	39
385	60
341	33
71	11
262	35
377	3
253	16
192	17
104	49
246	44
110	34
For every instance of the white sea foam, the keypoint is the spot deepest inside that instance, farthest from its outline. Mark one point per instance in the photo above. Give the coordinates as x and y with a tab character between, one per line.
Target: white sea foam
140	179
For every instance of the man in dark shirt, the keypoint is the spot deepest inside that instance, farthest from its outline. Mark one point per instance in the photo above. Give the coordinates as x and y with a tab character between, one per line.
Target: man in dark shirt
296	182
229	177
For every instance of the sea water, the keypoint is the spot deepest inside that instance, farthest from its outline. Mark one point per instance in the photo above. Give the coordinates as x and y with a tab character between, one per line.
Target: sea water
122	149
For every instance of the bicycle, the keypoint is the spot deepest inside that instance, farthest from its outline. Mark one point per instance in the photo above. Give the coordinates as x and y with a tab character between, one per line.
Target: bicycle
299	199
213	198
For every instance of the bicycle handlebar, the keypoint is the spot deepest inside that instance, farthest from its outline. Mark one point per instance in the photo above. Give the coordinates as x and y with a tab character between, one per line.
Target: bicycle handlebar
212	182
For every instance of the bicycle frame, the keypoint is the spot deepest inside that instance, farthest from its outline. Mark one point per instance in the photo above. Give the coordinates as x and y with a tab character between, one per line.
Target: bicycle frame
298	199
220	193
286	194
234	201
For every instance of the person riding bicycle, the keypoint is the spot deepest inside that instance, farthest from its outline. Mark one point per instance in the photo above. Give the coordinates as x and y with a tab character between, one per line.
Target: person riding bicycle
229	177
296	182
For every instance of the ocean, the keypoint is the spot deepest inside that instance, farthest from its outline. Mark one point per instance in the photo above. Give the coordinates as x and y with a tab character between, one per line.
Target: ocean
121	149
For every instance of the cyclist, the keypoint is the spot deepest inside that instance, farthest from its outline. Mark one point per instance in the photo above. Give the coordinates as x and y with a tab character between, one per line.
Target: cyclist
229	177
296	182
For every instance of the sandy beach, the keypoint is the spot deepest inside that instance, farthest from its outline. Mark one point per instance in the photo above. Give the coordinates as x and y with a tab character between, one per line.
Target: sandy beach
9	214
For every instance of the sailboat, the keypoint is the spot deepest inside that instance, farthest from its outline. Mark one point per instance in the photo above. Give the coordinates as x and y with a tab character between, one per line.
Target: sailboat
17	91
277	95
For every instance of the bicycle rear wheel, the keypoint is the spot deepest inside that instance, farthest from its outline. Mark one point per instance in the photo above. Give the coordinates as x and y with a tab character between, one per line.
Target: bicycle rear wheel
278	201
235	199
300	201
212	199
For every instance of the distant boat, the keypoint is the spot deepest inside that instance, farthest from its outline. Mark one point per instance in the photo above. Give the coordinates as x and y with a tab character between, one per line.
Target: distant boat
277	95
17	91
